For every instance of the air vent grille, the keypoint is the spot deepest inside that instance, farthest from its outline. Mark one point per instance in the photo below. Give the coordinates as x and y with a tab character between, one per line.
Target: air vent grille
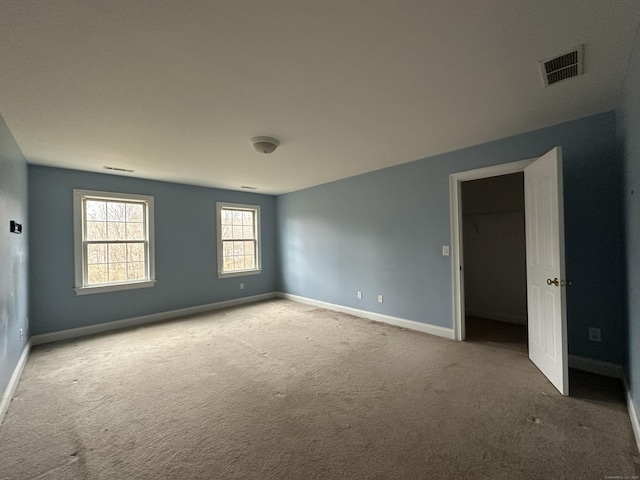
117	169
562	67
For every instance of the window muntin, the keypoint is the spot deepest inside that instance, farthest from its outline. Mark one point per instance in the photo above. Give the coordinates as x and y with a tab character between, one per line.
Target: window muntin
114	241
238	239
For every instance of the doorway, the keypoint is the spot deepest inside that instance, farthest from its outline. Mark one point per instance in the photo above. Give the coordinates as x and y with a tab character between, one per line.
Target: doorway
545	264
456	181
494	245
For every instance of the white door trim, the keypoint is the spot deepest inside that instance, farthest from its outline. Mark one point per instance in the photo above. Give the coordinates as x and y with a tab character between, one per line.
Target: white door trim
455	188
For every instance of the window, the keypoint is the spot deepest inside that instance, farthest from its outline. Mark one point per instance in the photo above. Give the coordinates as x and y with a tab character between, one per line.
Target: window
238	239
113	241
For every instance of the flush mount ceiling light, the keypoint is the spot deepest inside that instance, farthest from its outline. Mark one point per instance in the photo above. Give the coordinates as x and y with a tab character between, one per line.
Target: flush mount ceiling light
265	144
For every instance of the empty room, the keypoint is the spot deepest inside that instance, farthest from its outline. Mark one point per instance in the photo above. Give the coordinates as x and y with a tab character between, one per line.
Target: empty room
278	239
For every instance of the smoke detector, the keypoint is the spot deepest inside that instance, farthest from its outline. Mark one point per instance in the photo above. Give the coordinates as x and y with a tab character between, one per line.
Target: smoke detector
562	67
265	144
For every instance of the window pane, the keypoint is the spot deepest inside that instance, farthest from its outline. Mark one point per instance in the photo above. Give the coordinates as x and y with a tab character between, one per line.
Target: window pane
135	231
97	274
247	232
228	264
237	233
238	248
116	212
117	272
227	249
238	262
135	271
95	210
117	252
135	252
226	217
96	253
115	238
96	231
116	231
135	212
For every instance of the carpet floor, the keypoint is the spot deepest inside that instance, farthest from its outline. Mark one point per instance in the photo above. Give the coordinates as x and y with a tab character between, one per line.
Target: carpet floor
281	390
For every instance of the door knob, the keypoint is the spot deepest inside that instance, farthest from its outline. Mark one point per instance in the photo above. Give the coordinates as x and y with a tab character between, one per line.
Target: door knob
555	282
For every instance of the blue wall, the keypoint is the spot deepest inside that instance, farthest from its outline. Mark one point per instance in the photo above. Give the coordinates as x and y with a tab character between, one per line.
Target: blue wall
13	255
382	233
629	130
185	250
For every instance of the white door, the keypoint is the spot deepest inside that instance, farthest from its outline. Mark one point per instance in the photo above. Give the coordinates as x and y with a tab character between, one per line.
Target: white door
546	292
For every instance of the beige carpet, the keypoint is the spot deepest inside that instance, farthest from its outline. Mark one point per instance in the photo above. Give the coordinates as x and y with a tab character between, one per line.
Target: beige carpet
280	390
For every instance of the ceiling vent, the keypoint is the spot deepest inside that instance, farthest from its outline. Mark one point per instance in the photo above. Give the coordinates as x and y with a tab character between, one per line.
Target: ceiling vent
562	67
118	169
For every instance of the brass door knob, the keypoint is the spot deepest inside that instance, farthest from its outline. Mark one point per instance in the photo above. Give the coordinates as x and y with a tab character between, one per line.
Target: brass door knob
555	282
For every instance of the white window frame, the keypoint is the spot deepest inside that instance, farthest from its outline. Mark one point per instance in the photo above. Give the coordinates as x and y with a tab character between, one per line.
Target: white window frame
81	287
258	248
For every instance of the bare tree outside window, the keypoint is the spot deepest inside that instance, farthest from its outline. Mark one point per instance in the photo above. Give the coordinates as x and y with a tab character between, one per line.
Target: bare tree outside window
114	240
238	238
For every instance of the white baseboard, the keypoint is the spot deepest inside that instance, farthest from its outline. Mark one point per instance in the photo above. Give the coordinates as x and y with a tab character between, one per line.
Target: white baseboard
13	382
633	414
377	317
598	367
132	322
501	317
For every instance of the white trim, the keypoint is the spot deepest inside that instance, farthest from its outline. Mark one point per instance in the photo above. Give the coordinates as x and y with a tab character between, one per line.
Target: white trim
633	414
79	245
455	189
114	288
257	234
598	367
240	273
131	322
377	317
13	381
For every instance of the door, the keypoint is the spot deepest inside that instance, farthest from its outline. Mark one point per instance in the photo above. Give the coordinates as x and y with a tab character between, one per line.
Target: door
546	292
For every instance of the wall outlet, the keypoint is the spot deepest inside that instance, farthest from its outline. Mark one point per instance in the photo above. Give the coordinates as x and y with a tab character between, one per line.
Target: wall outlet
594	334
359	295
242	286
379	298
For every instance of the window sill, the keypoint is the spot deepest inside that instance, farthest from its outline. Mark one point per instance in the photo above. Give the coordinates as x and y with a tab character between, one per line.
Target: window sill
241	273
114	288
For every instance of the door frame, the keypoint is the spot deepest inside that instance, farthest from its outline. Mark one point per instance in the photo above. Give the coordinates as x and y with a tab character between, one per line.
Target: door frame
455	192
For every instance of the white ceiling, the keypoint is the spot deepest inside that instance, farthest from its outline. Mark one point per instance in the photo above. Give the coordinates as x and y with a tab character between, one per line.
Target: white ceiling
176	89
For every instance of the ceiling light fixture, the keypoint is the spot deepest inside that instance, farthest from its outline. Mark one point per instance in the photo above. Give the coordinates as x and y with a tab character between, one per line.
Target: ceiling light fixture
265	144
